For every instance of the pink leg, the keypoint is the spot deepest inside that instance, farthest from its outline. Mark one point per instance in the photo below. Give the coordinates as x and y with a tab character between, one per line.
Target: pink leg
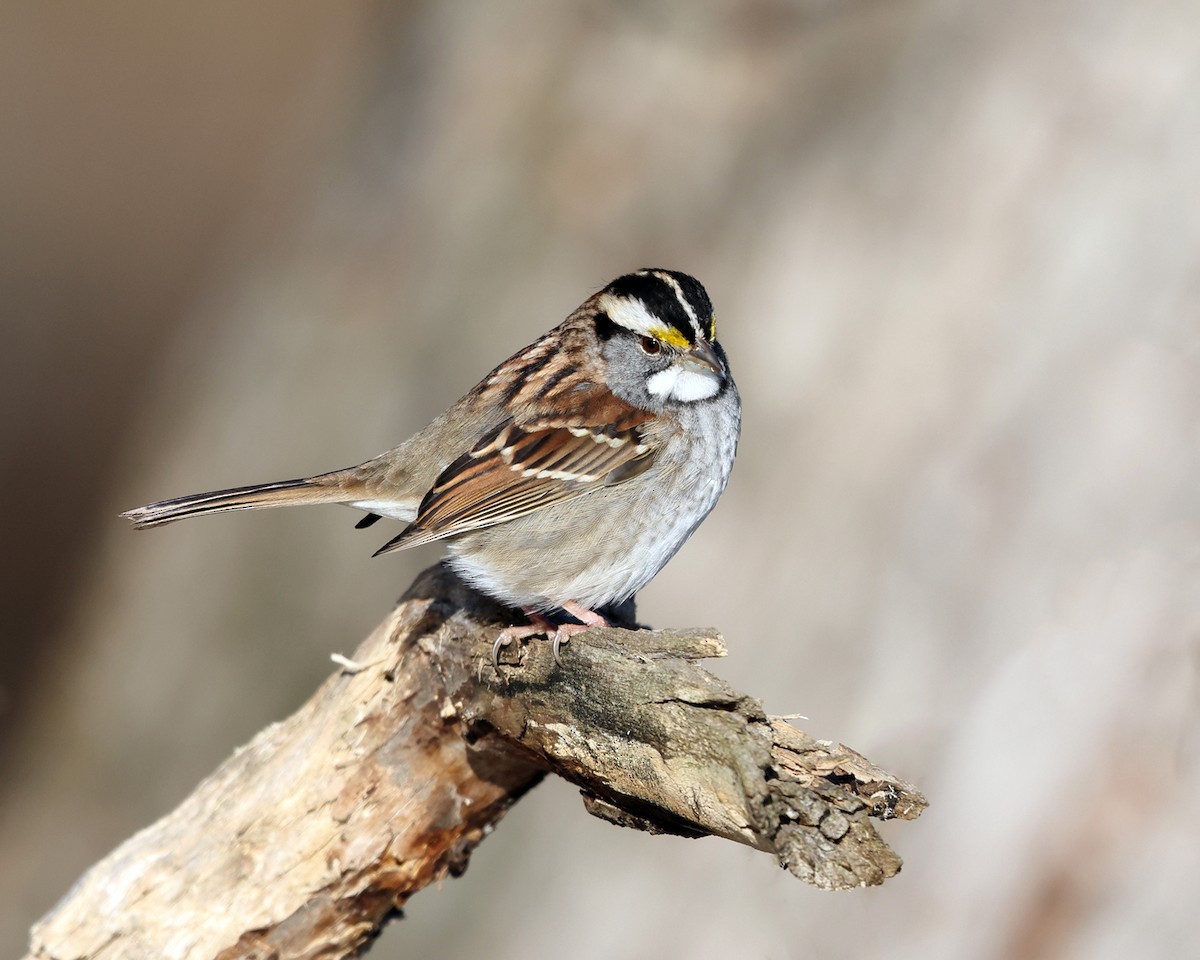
566	631
539	625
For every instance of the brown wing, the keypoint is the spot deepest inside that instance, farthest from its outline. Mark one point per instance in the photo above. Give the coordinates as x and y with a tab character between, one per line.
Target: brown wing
518	468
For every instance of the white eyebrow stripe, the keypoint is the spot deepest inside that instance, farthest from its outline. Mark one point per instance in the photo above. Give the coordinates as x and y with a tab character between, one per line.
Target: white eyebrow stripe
687	307
630	313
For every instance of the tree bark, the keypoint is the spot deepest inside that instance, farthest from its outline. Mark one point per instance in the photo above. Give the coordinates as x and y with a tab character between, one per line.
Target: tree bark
304	842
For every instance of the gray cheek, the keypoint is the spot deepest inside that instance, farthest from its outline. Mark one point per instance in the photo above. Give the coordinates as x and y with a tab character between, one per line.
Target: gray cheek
628	370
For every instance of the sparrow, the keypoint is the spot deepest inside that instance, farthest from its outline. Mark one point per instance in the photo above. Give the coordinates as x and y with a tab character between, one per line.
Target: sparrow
568	476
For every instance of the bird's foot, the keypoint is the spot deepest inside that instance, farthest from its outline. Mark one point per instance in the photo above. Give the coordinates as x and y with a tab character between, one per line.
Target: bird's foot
566	631
539	626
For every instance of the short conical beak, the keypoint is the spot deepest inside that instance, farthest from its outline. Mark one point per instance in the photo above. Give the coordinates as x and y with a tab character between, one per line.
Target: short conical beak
703	355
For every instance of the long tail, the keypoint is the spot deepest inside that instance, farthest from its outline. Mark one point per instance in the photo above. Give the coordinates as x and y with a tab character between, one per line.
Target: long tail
284	493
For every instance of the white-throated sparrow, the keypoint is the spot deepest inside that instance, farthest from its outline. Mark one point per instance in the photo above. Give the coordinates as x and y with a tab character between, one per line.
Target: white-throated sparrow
570	474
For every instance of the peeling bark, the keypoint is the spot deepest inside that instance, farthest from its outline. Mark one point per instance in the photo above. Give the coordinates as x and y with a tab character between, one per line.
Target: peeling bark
306	840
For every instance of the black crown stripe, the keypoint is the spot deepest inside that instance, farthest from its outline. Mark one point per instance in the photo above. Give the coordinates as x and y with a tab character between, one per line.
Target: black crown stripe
697	298
662	301
605	326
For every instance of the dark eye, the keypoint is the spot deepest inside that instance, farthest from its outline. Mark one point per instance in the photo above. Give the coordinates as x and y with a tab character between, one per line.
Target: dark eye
650	346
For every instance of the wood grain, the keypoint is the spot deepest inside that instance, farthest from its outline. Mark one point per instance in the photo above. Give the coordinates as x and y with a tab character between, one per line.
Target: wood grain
306	841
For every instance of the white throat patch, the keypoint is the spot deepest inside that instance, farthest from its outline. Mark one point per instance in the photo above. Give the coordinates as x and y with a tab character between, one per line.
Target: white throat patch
686	386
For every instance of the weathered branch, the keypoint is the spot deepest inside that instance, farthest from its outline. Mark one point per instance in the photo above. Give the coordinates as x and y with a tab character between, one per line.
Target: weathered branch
304	841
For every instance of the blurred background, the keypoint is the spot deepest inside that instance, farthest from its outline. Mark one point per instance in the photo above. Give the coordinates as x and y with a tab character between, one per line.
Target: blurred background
955	252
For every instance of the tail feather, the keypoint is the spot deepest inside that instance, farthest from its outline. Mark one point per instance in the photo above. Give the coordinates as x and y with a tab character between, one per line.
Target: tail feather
284	493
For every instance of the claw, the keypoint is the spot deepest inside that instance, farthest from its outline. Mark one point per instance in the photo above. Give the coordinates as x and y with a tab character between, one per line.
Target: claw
540	625
567	630
502	641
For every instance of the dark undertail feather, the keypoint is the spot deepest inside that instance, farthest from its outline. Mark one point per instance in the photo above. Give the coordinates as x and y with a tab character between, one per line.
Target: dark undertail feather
398	541
366	521
280	494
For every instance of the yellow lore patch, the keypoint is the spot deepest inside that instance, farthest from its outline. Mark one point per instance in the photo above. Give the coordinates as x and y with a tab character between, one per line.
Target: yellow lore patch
671	336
